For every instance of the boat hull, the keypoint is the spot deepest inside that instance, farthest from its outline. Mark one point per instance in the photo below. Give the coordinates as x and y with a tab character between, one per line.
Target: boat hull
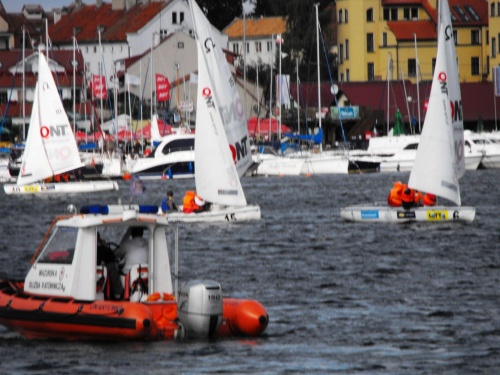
60	188
217	214
383	213
39	317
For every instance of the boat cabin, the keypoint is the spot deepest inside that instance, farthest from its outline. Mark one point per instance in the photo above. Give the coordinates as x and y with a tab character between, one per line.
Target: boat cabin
67	265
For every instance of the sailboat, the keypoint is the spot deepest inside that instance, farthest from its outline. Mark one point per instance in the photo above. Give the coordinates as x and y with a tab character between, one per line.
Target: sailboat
440	160
51	147
222	143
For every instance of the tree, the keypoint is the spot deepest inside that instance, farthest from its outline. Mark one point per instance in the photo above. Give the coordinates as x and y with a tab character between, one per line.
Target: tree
221	13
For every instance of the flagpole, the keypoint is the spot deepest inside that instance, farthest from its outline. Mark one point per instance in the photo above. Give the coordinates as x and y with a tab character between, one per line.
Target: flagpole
280	94
271	90
100	79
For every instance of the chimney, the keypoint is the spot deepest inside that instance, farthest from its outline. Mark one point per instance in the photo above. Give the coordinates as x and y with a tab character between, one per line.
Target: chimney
99	3
78	4
118	5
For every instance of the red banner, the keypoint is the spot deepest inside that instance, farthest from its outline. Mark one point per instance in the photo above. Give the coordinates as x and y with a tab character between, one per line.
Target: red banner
162	88
99	87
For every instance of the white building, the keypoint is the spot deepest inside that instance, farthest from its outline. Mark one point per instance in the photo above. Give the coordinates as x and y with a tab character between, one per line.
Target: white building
259	37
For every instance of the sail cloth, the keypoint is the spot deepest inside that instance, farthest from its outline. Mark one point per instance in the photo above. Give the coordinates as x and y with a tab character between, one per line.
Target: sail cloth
439	162
222	144
50	146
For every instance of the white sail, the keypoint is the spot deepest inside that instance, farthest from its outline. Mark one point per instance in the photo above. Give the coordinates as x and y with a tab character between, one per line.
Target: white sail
155	131
440	159
222	145
51	147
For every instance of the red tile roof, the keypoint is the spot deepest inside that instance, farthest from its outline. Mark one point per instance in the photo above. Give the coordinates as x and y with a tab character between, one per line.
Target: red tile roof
117	23
9	59
256	27
404	30
64	80
16	109
476	97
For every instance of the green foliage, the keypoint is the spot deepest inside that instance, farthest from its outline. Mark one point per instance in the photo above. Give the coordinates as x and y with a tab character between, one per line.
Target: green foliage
221	13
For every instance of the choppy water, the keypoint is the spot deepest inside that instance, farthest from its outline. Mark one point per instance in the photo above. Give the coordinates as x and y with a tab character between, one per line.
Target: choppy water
342	297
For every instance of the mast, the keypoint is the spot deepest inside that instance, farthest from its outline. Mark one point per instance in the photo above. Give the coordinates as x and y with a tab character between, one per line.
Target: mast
24	88
74	86
388	89
280	92
271	89
245	64
298	96
101	78
418	90
319	90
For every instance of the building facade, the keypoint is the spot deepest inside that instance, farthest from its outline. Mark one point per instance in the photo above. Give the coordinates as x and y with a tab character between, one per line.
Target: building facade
397	39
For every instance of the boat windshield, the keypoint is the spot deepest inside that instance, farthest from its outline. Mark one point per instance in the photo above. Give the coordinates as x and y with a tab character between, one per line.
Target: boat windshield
60	248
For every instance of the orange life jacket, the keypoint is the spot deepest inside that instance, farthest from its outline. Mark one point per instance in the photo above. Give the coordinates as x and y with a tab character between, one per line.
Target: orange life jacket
429	199
189	204
394	198
408	197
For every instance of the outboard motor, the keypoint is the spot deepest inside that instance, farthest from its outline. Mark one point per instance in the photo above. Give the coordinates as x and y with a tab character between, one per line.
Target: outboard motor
199	308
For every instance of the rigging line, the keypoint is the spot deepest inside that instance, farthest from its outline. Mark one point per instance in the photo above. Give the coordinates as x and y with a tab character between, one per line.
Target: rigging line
10	95
59	90
109	102
142	98
380	105
305	114
331	82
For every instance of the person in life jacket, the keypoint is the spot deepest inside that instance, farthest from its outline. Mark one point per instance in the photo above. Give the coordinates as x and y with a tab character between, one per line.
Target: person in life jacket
394	198
408	198
192	203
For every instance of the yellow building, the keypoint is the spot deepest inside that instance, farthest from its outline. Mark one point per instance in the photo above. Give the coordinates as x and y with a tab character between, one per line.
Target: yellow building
377	38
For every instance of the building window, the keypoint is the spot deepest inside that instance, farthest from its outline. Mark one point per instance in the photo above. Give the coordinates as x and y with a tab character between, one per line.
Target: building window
341	77
347	75
369	42
258	47
492	10
235	48
406	14
4	97
493	47
346	16
412	68
87	49
474	62
498	8
474	37
387	14
180	45
455	37
347	49
341	53
340	16
414	13
181	15
394	14
248	47
371	71
487	37
369	15
269	46
384	39
95	49
174	18
433	65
